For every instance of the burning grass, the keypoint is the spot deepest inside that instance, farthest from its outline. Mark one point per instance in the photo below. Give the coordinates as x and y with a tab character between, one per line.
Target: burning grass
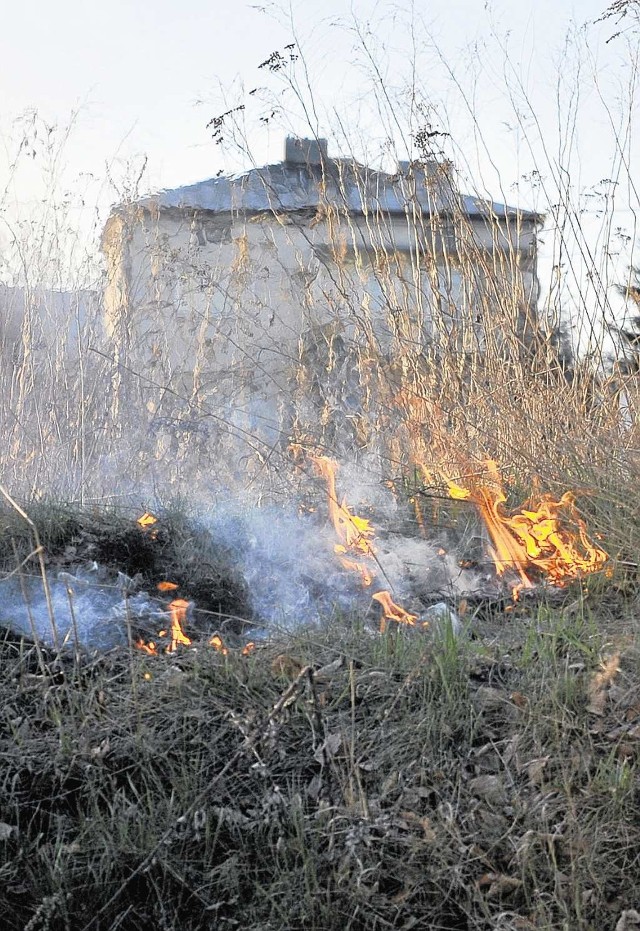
331	779
342	776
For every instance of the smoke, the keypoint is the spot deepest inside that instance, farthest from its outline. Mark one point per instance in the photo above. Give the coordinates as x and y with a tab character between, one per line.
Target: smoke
287	562
284	556
91	603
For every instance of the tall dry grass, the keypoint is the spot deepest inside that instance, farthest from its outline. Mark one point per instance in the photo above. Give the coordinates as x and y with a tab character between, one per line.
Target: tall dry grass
444	355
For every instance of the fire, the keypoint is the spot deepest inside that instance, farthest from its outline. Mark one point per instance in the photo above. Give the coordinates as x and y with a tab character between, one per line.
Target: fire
149	647
147	523
178	609
218	644
166	586
392	612
178	613
549	536
353	532
356	535
147	520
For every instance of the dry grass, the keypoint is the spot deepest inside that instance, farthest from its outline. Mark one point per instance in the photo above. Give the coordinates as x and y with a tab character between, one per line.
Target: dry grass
432	354
334	779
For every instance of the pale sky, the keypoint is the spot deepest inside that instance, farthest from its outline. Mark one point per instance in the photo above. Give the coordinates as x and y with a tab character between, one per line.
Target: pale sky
144	78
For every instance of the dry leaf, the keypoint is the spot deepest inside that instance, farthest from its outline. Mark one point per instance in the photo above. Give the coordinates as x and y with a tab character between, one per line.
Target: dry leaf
633	712
610	667
326	672
535	769
489	699
315	787
328	749
99	752
7	830
597	702
523	924
429	833
629	920
413	819
401	897
286	666
389	783
498	884
490	788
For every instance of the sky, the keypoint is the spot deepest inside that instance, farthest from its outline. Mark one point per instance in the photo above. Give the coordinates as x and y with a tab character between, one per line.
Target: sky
102	100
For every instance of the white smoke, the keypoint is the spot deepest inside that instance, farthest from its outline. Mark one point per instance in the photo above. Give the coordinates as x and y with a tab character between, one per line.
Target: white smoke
91	603
284	555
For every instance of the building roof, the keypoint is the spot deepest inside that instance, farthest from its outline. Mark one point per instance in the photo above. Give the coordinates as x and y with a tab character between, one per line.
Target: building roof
291	186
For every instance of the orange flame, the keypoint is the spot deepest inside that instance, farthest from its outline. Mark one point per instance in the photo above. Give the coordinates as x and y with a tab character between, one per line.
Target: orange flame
356	535
147	520
534	538
353	532
178	612
148	647
166	586
178	609
218	644
392	612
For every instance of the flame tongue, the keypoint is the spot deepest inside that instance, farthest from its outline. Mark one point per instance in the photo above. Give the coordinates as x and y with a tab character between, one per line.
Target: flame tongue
356	535
147	520
535	538
218	644
147	647
354	550
392	612
178	609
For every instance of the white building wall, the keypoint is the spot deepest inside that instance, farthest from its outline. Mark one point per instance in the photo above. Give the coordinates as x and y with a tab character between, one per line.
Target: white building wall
230	311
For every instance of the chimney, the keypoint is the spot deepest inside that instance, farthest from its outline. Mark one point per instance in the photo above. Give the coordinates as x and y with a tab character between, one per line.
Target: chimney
305	151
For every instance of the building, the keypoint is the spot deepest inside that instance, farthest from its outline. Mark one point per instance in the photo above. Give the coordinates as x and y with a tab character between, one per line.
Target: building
271	296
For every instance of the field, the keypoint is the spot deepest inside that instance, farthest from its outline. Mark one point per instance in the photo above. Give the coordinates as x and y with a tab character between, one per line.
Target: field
332	778
205	721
